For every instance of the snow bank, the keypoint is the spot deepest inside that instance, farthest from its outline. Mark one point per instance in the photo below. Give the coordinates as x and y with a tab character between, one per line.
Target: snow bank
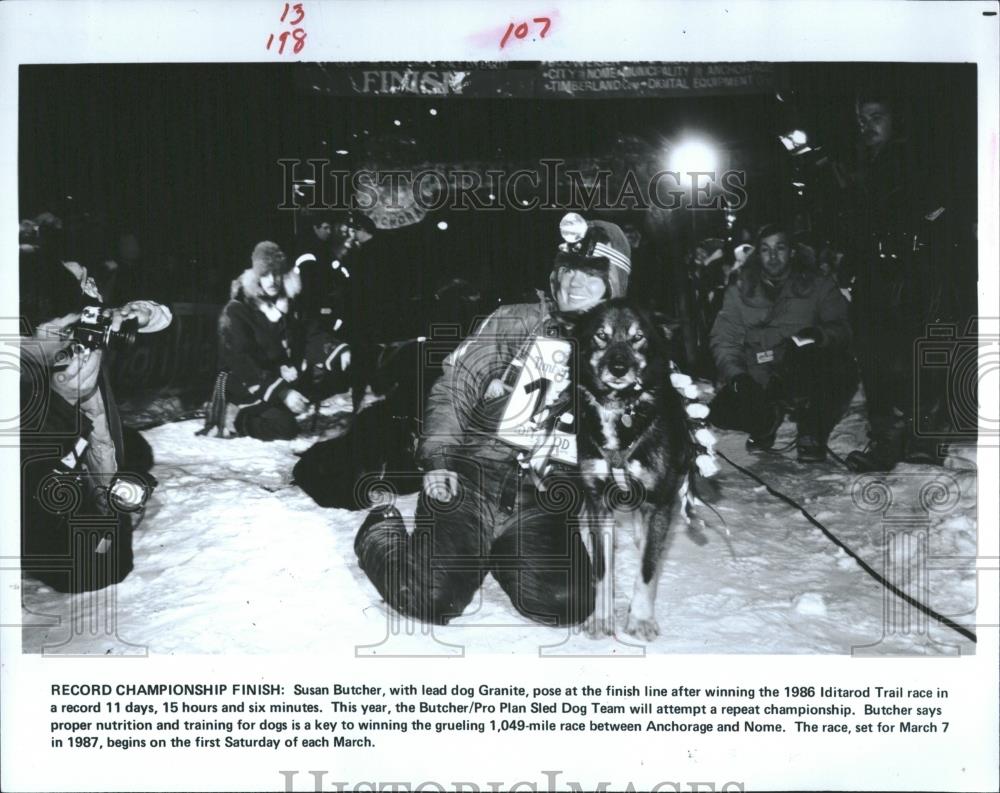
231	558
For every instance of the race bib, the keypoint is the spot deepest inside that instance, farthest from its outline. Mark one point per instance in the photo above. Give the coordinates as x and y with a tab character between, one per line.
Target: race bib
765	357
537	417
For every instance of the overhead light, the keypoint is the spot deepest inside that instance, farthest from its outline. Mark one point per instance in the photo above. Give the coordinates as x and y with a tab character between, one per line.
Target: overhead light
397	122
342	151
433	111
691	156
443	225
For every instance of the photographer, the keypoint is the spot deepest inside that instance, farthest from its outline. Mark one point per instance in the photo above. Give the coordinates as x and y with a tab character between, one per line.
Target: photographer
72	440
273	363
780	343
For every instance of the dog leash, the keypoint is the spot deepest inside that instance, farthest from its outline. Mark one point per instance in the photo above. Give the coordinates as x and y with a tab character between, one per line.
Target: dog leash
861	562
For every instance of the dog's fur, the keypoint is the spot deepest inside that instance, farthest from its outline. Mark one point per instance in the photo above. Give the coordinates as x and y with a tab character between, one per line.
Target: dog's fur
633	436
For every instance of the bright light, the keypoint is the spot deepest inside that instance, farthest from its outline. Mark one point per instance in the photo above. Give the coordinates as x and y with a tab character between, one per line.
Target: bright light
693	155
795	142
433	111
342	151
443	225
397	122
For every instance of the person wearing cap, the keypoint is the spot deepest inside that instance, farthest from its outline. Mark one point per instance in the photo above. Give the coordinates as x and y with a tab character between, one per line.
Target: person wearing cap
487	504
781	343
272	366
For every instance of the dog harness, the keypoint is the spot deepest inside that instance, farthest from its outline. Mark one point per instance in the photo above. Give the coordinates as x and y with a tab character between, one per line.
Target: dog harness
617	459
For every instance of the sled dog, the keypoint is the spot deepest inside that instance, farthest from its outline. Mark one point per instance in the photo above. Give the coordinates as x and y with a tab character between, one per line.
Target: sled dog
635	451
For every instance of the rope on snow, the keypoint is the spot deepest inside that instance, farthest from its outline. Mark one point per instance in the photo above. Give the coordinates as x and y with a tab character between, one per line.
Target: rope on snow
861	562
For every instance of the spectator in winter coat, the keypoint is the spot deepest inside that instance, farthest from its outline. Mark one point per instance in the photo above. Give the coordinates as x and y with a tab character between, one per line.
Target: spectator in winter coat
910	243
68	407
273	365
481	509
780	342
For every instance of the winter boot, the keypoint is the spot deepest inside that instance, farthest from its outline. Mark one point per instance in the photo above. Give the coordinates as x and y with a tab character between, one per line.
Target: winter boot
763	439
882	453
373	537
384	554
923	451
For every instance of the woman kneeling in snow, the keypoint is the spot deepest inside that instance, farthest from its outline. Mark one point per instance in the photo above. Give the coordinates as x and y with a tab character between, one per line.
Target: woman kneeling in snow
272	366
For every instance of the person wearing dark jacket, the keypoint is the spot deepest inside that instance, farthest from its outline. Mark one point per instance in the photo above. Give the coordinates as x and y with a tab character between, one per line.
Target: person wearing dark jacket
907	258
325	258
272	365
781	342
84	477
483	507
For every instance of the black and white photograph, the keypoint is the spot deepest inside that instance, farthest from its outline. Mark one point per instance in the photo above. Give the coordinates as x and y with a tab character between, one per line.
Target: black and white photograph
339	324
587	363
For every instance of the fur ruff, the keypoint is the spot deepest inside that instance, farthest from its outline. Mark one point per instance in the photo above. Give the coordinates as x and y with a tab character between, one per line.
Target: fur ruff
247	286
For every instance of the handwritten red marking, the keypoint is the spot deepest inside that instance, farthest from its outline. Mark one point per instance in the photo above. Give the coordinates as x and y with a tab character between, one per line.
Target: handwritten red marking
297	34
520	31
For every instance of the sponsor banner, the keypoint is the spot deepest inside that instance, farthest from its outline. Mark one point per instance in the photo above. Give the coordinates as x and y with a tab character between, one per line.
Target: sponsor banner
553	79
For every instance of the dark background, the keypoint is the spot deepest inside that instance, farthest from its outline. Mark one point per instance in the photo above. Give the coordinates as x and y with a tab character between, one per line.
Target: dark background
185	155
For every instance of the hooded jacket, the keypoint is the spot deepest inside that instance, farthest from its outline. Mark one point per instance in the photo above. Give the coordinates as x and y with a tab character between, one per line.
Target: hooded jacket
257	336
752	330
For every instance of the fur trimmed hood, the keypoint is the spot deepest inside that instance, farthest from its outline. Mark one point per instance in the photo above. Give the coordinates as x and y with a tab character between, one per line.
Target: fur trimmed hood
247	287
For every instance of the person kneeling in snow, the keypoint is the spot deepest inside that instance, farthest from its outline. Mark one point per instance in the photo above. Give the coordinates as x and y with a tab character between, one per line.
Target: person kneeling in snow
485	505
273	367
780	342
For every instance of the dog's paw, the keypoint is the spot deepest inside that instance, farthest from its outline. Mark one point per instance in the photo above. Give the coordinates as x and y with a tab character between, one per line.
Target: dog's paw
597	627
645	629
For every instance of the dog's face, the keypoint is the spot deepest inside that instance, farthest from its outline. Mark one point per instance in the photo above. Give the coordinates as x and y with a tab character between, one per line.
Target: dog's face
617	345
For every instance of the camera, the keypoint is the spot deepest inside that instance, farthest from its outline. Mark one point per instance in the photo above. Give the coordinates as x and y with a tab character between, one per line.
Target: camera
948	366
128	493
94	332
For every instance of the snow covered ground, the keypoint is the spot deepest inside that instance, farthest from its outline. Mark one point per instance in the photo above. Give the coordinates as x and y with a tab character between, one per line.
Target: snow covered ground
231	558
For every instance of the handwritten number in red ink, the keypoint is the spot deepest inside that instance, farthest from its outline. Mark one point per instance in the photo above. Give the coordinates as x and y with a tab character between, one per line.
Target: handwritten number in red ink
510	29
298	34
521	30
297	7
